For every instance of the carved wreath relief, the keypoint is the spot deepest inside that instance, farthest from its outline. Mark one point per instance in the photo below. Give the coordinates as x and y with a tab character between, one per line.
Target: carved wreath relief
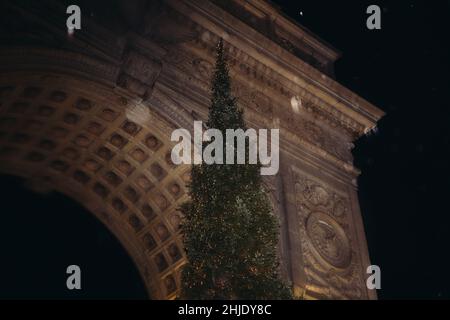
328	239
331	262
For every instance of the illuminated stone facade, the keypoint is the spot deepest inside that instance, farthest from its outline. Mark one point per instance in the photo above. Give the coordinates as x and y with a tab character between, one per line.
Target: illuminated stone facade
90	115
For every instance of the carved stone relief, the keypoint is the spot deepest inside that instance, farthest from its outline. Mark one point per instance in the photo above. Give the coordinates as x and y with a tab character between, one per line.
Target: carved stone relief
331	262
254	99
139	73
316	135
92	140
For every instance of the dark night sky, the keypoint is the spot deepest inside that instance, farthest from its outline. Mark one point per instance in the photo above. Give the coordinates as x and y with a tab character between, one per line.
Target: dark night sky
405	183
404	186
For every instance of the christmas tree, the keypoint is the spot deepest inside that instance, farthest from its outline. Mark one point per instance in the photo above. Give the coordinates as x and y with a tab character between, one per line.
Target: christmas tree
229	231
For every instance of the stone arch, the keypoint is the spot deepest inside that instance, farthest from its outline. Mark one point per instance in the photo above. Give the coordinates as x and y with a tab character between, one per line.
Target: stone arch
65	126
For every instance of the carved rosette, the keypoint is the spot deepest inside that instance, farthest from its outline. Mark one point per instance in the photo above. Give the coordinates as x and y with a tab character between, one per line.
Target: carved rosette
331	262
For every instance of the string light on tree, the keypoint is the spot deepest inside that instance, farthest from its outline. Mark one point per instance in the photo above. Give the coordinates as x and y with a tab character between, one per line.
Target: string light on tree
230	233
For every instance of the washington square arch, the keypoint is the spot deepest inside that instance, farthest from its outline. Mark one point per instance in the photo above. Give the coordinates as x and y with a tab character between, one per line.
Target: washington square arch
89	114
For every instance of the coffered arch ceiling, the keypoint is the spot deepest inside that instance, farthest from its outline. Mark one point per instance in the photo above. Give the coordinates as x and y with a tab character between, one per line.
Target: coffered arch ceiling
85	139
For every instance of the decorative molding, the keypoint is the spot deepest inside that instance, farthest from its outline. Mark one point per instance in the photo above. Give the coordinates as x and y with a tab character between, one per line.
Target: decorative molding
331	261
46	59
99	117
139	73
288	74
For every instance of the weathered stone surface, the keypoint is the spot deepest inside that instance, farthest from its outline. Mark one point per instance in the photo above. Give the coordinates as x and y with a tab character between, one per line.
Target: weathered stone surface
69	116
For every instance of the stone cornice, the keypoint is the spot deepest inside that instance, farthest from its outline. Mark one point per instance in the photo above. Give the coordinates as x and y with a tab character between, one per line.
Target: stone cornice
295	29
63	61
169	100
299	79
